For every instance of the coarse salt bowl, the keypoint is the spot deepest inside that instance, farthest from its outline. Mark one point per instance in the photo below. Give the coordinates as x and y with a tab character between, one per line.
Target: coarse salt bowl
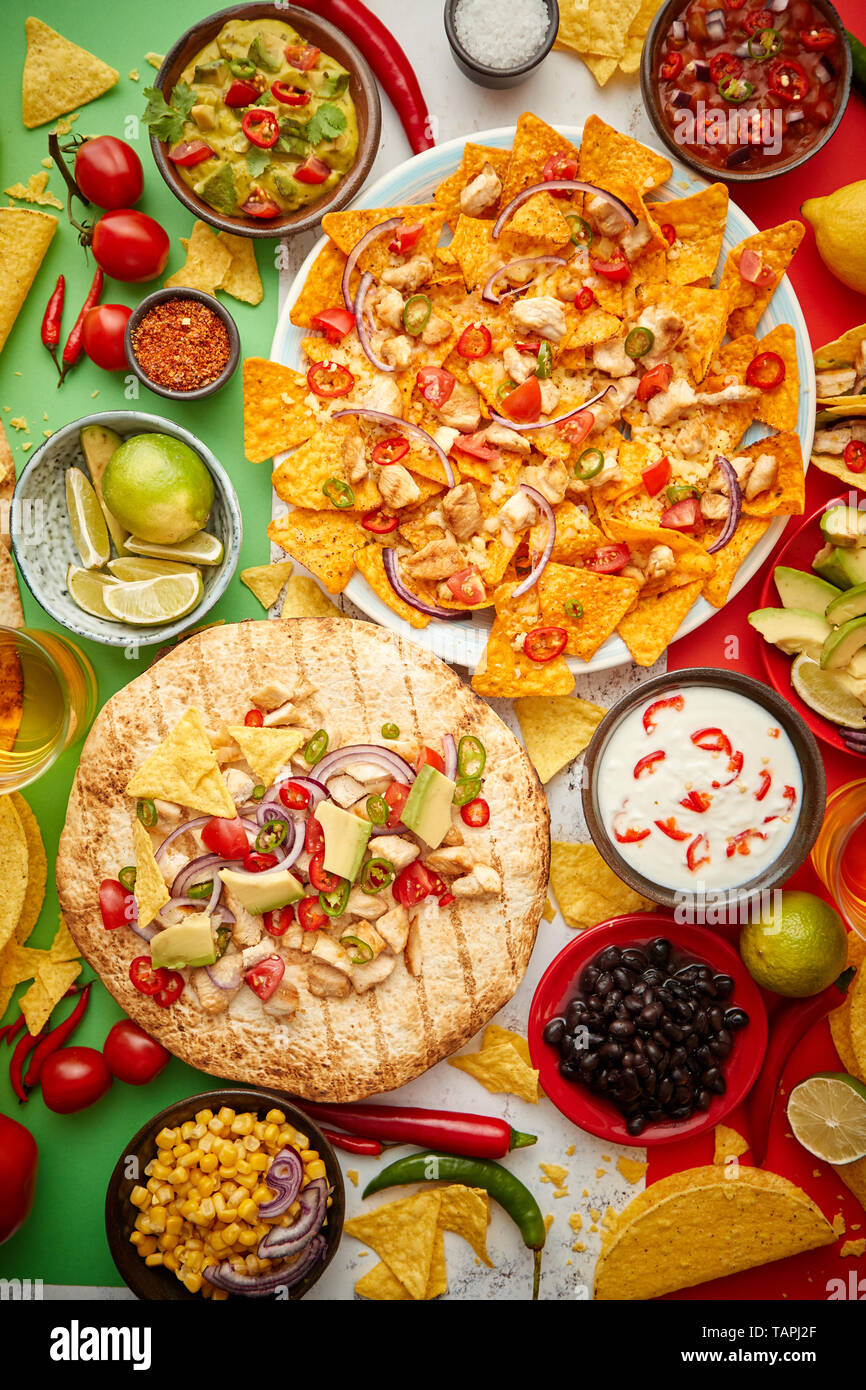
487	74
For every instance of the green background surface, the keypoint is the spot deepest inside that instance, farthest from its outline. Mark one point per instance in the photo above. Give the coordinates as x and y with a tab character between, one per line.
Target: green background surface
64	1239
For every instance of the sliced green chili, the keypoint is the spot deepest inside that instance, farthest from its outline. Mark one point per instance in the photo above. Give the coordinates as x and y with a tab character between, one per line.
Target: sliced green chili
390	731
146	812
334	904
339	493
378	810
471	757
764	44
270	835
574	607
376	875
242	67
316	748
466	790
223	937
258	792
545	361
589	465
505	389
362	946
735	90
581	232
416	314
678	492
127	877
200	890
639	342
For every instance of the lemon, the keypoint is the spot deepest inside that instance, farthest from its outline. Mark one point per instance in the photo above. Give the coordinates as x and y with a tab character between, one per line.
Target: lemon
151	601
798	951
86	587
158	488
86	521
838	220
132	567
828	1115
828	693
200	549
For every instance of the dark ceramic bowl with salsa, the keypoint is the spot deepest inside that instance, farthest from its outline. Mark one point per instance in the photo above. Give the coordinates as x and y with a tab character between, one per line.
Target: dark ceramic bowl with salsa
238	87
740	92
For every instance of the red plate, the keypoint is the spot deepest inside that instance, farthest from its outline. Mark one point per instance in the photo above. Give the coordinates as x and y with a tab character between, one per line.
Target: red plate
593	1112
798	553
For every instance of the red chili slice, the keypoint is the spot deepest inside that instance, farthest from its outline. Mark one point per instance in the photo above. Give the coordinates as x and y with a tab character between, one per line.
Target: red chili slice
171	990
254	719
817	40
321	878
630	836
648	764
735	767
474	341
697	801
329	379
712	740
617	268
766	783
256	863
523	404
379	522
294	797
676	702
314	836
725	65
757	19
657	475
584	299
788	80
671	67
334	323
670	828
790	796
312	170
855	456
740	844
287	95
435	384
475	813
544	643
389	451
310	914
700	845
278	923
766	371
668	232
145	978
406	236
655	380
261	127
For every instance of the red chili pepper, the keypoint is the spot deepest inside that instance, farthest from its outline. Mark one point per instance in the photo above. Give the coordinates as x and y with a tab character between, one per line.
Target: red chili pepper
757	19
287	95
766	371
254	719
788	80
544	643
712	740
474	341
697	801
631	836
261	127
353	1143
584	299
740	844
855	456
671	67
725	65
790	796
329	379
791	1023
674	702
14	1029
475	813
51	318
669	233
735	767
389	451
648	763
617	268
57	1037
74	343
379	522
817	40
766	781
455	1132
24	1047
670	828
241	94
698	844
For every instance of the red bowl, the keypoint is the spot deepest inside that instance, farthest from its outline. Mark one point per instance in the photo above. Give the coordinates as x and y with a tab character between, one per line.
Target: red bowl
798	552
593	1112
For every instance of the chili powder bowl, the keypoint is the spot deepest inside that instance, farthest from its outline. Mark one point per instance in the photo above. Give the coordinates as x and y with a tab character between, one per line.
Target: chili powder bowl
180	294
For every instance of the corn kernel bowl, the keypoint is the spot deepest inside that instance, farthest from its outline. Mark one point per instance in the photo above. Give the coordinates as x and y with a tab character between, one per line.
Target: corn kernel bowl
185	1189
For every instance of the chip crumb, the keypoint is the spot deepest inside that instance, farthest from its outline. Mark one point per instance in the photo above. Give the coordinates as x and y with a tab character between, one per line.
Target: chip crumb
93	395
19	423
548	1220
596	1215
600	1173
156	60
134	75
606	1158
548	911
593	1227
47	162
352	1175
575	1221
838	1224
853	1247
561	1192
584	1193
631	1168
578	1246
569	1153
25	447
553	1173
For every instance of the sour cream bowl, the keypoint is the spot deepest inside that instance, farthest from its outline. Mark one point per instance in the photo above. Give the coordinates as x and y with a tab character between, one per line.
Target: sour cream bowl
704	789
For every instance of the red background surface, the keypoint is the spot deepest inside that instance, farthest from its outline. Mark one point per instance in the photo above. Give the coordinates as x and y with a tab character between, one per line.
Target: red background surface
830	309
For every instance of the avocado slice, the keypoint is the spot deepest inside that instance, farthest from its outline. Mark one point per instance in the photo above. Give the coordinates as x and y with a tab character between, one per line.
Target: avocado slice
857	666
800	589
219	190
346	839
849	604
844	526
190	943
260	893
283	182
212	74
266	52
843	644
97	445
843	566
792	630
428	806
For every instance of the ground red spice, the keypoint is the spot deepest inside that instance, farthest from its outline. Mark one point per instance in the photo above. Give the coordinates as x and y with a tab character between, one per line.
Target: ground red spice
181	344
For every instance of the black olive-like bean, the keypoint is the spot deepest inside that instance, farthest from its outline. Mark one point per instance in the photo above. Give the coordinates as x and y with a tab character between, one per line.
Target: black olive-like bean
589	1061
691	1041
609	958
633	1003
736	1018
604	983
636	1124
678	1057
612	1051
678	1075
721	1044
650	1015
642	1068
701	1023
712	1077
610	1005
588	978
703	1100
623	979
575	1014
621	1028
704	1055
665	1089
716	1018
659	951
650	1084
724	986
595	1040
672	1031
687	974
554	1031
569	1070
593	1003
634	958
654	976
637	1044
681	1112
653	1051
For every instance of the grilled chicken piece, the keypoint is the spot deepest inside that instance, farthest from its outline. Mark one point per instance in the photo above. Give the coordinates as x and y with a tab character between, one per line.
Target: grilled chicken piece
462	410
762	475
436	329
455	860
394	928
542	315
413	953
384	395
660	563
612	358
436	560
462	511
482	193
501	437
367	905
481	882
284	1000
326	949
239	785
397	486
211	998
396	849
327	983
354	456
519	365
549	478
410	276
388	306
372	972
268	697
397	352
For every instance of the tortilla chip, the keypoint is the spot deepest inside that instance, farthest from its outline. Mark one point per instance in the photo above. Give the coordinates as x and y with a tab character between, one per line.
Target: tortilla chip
548	912
699	223
602	69
183	768
607	154
500	1069
506	670
242	279
587	891
466	1211
370	563
322	286
266	750
778	407
540	220
58	75
403	1234
749	531
63	946
853	1247
276	415
776	247
700	1225
704	314
34	191
594	325
604	598
15	859
326	542
348	227
381	1285
857	1019
447	195
266	581
573	29
534	142
853	1176
150	891
49	987
631	1169
304	599
729	1144
301	477
840	1026
37	869
555	729
787	496
25	236
656	620
474	250
208	261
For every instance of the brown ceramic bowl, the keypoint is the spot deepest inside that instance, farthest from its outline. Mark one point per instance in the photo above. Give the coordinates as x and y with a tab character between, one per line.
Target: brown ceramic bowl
362	89
160	1285
162	297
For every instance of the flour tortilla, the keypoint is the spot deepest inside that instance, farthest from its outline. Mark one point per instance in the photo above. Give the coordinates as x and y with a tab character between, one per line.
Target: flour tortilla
475	953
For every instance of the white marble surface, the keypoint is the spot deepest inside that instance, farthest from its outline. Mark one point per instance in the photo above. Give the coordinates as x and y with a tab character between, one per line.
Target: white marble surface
562	91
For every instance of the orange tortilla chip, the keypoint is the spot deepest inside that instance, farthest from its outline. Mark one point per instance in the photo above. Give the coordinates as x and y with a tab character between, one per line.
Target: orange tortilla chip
372	566
601	601
576	535
347	228
728	561
699	224
504	668
787	496
778	407
474	250
776	247
276	416
322	287
540	221
704	314
656	620
326	542
301	477
534	142
607	154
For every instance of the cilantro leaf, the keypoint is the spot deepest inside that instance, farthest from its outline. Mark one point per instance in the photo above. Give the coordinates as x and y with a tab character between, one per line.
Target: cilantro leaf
328	122
164	119
258	161
334	84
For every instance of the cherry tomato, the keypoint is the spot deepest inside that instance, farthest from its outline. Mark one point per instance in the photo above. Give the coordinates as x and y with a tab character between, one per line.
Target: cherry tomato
608	559
321	878
19	1161
241	94
116	904
226	837
476	446
334	323
108	172
145	978
405	238
265	976
544	643
132	1055
396	796
475	813
189	153
310	914
314	837
129	245
73	1078
467	586
278	923
617	268
294	797
256	863
474	341
684	516
430	757
260	206
523	404
560	165
435	384
657	475
102	335
172	989
413	884
302	57
655	380
576	429
312	170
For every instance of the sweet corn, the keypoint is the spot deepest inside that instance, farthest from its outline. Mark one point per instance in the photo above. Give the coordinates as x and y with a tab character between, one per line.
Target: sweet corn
231	1233
203	1117
170	1262
259	1162
158	1217
216	1126
160	1170
316	1170
139	1196
248	1238
192	1282
248	1211
209	1162
242	1124
165	1157
271	1133
226	1115
261	1194
168	1243
153	1260
275	1117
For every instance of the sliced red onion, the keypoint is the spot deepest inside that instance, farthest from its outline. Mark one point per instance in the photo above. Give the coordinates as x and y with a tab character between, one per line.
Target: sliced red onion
227	973
285	1176
488	294
392	570
449	754
146	933
680	99
381	418
281	1241
702	71
717	25
795	114
282	1276
180	830
557	420
735	501
386	758
359	248
538	568
824	71
742	51
852	742
361	325
779	6
198	871
678	30
559	186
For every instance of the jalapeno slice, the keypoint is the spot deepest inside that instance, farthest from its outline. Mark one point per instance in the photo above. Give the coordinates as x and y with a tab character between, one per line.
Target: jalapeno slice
127	877
639	341
466	790
364	949
589	465
271	834
471	756
338	493
581	232
316	748
145	809
376	875
545	362
416	314
377	809
334	904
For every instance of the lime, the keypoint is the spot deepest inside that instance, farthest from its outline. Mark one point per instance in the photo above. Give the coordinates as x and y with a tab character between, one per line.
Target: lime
86	587
827	693
149	601
828	1116
86	521
132	567
200	549
797	951
158	488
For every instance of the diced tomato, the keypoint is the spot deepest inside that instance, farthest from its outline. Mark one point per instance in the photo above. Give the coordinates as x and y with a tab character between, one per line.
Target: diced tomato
684	516
396	796
189	153
278	923
724	65
544	643
697	801
766	371
429	757
241	94
302	57
310	914
698	852
312	170
657	475
608	559
671	67
172	989
631	835
854	456
334	323
256	863
265	976
523	404
648	764
226	837
475	813
753	270
735	767
116	904
314	836
406	237
261	207
467	586
412	884
617	268
294	797
655	380
474	341
670	828
649	715
712	740
146	979
577	427
435	384
476	446
560	165
741	844
322	880
766	783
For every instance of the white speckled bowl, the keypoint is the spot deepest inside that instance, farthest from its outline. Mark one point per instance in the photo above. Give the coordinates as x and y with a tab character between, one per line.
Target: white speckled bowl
43	544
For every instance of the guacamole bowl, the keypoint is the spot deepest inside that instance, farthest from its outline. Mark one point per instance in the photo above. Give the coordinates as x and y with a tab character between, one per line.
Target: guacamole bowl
241	131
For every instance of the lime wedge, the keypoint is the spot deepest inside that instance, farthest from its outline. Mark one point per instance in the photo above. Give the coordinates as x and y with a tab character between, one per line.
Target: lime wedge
87	523
828	1115
149	601
86	587
200	549
133	567
828	693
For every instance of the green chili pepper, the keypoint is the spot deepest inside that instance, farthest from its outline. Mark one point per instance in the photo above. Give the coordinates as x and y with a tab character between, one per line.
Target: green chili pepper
200	890
376	875
545	361
361	946
505	389
378	810
258	792
589	465
574	608
223	937
316	748
471	756
390	731
466	790
639	342
146	812
334	904
581	232
764	44
270	835
242	67
735	90
678	492
339	493
127	877
502	1186
416	314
